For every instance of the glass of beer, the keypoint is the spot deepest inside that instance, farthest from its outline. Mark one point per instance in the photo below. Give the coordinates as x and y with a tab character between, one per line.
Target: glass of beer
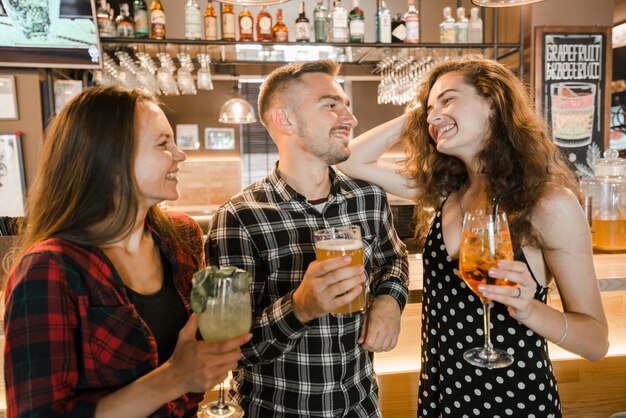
485	241
337	242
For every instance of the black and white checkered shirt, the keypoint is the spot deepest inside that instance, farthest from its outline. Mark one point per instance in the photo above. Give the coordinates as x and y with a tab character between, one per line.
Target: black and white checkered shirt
319	369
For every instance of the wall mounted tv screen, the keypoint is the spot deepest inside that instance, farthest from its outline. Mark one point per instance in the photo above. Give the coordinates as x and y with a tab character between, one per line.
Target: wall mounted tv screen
49	34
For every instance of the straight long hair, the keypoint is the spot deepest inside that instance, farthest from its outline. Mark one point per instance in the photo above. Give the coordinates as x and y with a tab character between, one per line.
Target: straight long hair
84	191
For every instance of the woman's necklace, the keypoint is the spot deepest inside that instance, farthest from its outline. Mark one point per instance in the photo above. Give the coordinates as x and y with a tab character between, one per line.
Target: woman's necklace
461	194
461	206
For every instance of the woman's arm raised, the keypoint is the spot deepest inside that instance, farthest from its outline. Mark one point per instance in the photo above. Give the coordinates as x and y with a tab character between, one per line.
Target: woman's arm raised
365	163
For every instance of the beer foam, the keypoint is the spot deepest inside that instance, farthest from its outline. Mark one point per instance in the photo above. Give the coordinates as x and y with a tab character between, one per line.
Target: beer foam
339	245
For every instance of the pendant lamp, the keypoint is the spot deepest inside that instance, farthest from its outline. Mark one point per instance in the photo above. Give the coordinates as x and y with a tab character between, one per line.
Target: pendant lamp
252	2
503	3
237	111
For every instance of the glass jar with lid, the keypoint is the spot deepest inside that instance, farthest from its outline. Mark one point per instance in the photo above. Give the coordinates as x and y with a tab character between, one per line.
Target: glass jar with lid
607	189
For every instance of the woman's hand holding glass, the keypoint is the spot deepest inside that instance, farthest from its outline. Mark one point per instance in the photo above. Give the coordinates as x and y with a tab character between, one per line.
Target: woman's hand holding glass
199	366
221	298
518	299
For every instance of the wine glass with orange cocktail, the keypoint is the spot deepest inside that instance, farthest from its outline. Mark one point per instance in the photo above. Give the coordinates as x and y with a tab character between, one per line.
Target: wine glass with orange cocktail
485	241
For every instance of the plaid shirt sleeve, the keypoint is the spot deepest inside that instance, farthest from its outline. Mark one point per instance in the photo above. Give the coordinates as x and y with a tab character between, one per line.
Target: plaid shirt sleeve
391	276
41	328
275	329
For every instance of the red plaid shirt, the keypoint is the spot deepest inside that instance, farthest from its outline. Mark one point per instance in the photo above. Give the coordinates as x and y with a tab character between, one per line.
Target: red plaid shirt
72	336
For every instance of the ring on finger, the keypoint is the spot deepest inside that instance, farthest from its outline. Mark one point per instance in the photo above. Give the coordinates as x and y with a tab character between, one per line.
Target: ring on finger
518	294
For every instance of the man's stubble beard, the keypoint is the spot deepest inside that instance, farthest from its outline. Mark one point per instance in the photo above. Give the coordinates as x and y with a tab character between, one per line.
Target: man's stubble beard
325	151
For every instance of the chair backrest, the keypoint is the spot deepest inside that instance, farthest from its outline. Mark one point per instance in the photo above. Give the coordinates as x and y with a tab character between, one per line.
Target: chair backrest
6	244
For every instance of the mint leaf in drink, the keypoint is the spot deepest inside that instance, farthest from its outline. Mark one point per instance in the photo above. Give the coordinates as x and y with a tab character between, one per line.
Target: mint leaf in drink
206	284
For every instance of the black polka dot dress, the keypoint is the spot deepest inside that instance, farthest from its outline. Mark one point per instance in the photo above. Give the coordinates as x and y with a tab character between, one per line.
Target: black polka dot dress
452	322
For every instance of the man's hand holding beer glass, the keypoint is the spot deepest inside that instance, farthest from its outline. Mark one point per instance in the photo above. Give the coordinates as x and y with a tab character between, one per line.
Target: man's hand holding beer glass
326	286
335	282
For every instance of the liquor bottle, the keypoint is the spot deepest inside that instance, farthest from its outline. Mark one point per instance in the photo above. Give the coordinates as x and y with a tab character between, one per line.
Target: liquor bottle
383	24
462	25
280	32
339	23
228	22
320	22
193	20
475	27
124	23
210	22
246	25
111	16
329	19
356	23
303	33
447	27
398	29
411	19
106	27
157	20
264	25
140	15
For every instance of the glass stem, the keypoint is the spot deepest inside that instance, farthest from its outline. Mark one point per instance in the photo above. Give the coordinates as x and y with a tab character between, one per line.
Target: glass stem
221	402
487	320
221	408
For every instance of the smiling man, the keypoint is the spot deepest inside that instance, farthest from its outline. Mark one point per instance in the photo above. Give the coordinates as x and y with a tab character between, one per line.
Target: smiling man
302	361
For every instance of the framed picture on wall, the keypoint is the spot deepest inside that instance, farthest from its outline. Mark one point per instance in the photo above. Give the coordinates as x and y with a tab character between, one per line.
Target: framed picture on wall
12	182
219	138
572	77
8	98
64	91
187	136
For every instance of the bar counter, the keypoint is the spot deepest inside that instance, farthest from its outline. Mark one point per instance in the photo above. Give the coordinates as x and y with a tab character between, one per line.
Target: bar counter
587	389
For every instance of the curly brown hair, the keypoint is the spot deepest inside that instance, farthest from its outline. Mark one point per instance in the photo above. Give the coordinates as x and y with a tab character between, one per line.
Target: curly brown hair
517	156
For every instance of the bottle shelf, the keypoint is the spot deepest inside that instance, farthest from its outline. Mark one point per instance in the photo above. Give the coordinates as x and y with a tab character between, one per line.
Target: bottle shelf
243	52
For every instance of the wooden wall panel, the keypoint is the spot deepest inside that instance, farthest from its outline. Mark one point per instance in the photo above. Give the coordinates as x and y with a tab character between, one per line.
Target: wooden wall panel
592	390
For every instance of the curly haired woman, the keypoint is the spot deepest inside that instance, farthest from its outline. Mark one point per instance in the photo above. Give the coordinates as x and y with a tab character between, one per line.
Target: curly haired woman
474	137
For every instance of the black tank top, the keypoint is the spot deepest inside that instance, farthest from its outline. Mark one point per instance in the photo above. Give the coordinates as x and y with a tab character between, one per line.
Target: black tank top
452	322
163	312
